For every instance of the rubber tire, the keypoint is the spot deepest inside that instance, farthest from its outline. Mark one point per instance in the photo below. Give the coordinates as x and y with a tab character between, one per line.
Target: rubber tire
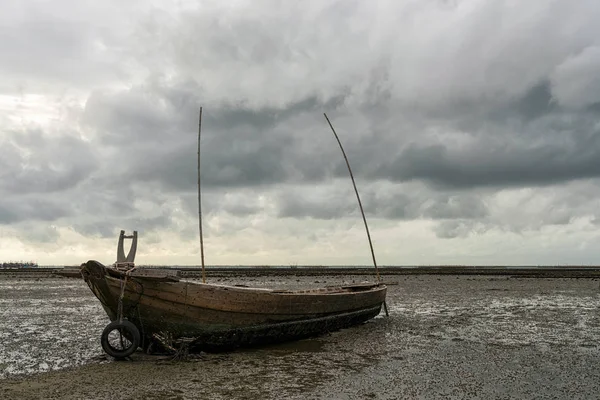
129	330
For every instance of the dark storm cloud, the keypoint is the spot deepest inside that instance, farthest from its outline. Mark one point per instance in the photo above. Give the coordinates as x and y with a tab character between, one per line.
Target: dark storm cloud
13	210
535	103
153	113
523	142
156	127
263	118
32	161
155	124
519	134
245	161
557	148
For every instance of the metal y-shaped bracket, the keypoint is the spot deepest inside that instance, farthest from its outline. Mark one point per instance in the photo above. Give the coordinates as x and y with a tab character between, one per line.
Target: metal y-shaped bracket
121	253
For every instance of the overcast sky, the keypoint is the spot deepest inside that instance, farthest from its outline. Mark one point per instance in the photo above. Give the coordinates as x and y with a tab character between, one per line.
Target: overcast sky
472	128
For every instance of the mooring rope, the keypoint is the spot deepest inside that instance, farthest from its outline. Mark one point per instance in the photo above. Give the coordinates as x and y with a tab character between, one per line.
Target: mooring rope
120	305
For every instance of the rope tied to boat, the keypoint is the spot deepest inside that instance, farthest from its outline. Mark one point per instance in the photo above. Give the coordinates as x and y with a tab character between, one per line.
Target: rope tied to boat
120	305
123	282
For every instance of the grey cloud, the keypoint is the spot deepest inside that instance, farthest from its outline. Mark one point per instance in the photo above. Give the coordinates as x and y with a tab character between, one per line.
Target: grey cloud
535	103
552	205
156	127
99	227
155	112
576	82
457	206
35	233
297	206
387	202
261	118
35	162
558	148
393	205
242	209
102	197
7	215
64	45
161	112
13	209
487	57
240	203
458	229
451	229
110	225
242	162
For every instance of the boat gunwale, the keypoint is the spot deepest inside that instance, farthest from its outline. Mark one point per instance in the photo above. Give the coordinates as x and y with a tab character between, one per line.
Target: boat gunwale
327	290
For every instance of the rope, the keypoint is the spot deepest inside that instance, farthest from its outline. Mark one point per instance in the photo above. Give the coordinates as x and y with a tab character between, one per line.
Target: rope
120	305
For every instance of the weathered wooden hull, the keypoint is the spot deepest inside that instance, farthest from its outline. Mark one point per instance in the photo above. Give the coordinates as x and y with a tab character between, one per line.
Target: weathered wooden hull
219	317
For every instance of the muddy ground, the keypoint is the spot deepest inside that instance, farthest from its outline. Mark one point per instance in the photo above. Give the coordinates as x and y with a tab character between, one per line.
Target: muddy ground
446	337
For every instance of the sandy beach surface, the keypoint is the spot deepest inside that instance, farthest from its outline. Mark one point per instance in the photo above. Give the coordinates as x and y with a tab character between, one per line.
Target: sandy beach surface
446	337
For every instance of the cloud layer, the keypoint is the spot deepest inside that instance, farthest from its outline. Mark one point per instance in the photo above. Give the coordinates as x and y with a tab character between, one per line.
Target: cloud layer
471	126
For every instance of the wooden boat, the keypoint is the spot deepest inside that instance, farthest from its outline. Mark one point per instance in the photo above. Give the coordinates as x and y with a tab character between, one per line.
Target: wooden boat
165	309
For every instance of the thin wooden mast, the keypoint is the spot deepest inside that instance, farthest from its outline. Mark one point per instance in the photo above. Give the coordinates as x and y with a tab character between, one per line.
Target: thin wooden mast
200	200
359	205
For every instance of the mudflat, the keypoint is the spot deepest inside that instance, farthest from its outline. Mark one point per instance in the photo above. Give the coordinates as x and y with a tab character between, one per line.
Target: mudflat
446	337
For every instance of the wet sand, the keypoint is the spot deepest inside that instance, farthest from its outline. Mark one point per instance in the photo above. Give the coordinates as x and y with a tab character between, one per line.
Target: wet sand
446	337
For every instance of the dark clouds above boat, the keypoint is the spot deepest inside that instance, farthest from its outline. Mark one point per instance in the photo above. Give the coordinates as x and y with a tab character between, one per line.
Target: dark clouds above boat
445	109
553	149
538	143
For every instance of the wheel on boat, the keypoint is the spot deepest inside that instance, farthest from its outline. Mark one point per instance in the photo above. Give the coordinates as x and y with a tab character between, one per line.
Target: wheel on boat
120	339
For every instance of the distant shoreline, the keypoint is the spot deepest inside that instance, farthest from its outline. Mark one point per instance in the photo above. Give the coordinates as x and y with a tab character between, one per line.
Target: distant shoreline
233	271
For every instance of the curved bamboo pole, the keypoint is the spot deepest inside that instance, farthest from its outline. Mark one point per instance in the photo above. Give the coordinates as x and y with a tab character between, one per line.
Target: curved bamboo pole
200	201
359	205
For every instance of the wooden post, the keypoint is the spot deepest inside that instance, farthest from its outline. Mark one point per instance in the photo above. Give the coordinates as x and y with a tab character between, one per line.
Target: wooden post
359	205
200	200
